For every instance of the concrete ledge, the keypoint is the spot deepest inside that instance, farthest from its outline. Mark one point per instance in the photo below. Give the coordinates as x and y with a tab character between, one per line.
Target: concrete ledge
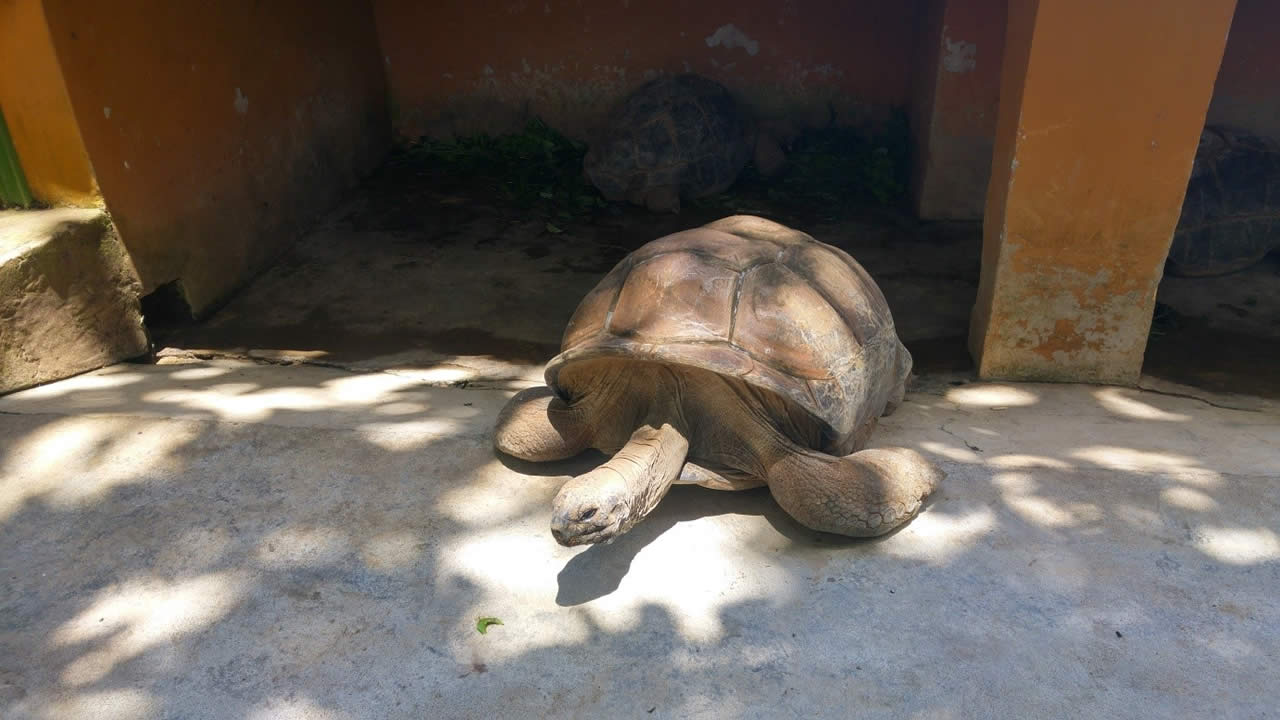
69	296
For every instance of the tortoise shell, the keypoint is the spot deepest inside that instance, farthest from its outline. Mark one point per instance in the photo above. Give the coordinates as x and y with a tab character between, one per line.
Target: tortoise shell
681	131
1231	213
752	299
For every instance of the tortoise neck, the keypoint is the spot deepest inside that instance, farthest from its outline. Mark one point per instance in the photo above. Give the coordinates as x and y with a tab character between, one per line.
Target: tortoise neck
618	396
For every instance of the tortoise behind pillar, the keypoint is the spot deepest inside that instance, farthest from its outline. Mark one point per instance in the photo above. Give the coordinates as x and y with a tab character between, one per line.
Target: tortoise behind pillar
1231	213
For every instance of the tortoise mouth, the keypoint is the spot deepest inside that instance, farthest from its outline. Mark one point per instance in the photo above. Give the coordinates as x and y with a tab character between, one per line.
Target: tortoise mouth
590	521
585	533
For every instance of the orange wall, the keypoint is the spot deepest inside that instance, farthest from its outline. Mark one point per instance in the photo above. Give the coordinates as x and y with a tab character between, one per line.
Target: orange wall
218	130
462	66
1247	93
38	112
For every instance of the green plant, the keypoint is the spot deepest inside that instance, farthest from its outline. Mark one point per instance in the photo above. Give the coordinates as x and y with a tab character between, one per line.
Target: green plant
536	167
836	164
832	169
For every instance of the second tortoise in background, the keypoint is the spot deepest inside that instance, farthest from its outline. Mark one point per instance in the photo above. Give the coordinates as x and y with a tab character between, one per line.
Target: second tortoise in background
1231	214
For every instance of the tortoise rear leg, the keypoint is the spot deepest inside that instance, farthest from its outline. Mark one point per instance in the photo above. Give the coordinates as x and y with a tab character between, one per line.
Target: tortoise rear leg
865	494
536	425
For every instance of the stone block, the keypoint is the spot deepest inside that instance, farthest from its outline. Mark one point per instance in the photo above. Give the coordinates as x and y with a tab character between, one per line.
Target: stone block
69	296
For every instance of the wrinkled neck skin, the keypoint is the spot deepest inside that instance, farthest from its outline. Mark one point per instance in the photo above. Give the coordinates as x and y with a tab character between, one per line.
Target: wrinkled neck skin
644	415
617	397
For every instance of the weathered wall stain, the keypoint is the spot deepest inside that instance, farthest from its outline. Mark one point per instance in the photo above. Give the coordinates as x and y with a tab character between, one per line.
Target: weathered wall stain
960	57
729	36
460	68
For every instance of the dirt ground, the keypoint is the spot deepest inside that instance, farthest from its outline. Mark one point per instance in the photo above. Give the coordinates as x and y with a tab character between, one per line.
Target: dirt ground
419	268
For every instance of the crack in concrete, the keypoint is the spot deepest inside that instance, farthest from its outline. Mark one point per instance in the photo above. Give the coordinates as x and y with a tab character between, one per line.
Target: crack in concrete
971	446
1200	398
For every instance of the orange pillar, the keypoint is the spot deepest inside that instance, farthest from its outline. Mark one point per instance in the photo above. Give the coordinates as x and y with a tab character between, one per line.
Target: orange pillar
38	110
1101	106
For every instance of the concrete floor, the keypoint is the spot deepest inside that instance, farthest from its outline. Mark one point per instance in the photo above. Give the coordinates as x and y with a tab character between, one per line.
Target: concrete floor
225	539
297	513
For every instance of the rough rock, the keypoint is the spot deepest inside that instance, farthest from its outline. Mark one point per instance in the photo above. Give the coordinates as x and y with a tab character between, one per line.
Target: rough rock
69	296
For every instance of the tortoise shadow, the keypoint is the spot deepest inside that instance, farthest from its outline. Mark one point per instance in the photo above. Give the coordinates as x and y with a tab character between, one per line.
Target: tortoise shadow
570	467
599	570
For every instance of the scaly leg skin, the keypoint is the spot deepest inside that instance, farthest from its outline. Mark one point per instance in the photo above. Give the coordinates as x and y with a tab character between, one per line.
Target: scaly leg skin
865	494
537	426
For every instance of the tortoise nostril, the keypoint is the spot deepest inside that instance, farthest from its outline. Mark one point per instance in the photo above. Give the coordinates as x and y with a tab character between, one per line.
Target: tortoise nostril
587	514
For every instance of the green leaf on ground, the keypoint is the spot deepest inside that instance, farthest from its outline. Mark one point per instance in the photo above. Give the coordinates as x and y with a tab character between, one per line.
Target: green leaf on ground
482	624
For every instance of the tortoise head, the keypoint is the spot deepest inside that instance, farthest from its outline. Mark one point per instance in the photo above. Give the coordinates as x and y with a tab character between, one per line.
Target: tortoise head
608	501
592	508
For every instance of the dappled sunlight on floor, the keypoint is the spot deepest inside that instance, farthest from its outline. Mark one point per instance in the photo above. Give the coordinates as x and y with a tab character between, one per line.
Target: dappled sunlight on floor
1164	459
243	391
937	536
121	704
104	456
1018	490
1186	468
1236	545
493	499
1124	403
296	708
991	396
126	621
223	539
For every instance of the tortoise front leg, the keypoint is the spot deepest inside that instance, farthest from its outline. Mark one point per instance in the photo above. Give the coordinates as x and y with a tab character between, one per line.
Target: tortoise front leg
608	501
536	425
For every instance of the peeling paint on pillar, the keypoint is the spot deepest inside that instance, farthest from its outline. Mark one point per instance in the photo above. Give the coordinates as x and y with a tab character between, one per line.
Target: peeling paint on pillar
1071	325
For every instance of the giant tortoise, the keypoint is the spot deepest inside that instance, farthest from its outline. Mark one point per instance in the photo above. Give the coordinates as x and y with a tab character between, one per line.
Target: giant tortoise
734	355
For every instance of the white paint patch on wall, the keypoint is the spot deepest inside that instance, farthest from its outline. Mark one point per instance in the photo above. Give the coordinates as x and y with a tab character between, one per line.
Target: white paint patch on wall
729	37
241	103
960	56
